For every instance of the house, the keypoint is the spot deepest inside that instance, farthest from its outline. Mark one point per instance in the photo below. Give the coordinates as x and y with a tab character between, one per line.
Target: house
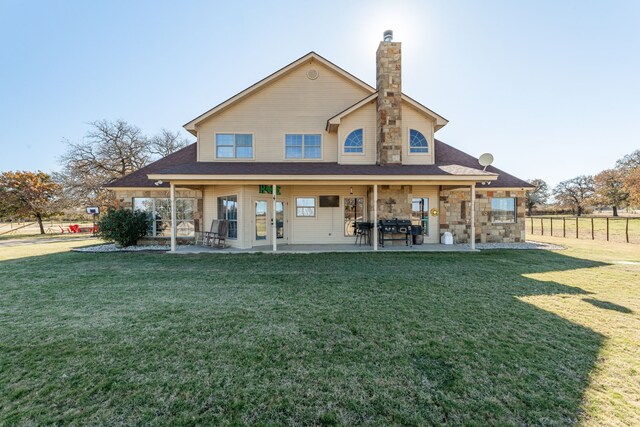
301	155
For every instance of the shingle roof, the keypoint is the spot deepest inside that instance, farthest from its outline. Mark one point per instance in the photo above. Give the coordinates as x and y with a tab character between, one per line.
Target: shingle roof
449	161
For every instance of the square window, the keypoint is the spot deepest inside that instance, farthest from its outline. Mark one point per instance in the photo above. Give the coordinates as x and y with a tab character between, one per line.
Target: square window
503	209
305	206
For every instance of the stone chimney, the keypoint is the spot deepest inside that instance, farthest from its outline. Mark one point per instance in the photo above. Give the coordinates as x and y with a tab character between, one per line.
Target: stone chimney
389	109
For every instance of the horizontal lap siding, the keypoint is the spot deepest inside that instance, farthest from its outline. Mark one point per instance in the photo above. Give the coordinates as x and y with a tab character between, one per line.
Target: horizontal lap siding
364	118
293	104
412	119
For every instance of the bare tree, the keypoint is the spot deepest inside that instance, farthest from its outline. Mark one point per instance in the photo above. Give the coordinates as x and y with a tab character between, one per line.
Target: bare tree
537	196
166	142
629	162
610	189
575	193
109	151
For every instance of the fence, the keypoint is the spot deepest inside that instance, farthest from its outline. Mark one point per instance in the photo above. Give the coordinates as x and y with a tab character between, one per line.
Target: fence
611	229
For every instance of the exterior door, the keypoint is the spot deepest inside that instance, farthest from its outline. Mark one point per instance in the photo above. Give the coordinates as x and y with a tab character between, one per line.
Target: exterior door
420	214
263	221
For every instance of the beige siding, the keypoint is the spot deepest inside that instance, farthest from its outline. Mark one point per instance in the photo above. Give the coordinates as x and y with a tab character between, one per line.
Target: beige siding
210	207
364	118
293	104
413	119
433	193
328	224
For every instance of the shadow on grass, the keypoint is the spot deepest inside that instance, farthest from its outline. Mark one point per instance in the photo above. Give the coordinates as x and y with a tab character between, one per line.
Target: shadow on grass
344	339
607	305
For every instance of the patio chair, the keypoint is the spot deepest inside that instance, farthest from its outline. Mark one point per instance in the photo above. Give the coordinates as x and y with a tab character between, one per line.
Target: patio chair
220	239
209	236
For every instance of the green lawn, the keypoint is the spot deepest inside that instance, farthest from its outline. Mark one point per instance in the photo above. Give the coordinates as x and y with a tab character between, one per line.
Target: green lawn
490	338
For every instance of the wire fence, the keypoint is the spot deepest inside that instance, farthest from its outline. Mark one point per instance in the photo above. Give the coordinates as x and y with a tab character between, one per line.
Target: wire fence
610	229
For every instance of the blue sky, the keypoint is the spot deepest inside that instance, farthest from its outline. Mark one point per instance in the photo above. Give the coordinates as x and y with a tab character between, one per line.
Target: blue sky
551	88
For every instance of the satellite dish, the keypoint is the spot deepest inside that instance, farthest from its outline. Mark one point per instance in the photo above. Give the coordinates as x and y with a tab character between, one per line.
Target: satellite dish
485	160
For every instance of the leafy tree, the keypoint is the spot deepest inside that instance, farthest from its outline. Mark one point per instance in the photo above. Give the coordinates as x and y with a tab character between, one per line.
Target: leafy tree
610	189
632	185
29	194
537	196
124	226
575	193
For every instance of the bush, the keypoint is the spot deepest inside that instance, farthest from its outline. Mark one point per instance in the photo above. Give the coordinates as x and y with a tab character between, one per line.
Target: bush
124	226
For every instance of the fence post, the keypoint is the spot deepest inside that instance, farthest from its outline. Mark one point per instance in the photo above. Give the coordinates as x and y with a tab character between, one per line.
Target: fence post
532	225
564	227
627	230
551	219
592	233
577	235
542	225
607	229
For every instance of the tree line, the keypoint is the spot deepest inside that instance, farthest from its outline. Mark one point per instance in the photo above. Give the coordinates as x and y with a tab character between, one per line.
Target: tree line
109	150
614	188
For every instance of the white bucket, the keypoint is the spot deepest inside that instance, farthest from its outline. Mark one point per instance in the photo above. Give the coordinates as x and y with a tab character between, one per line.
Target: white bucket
447	238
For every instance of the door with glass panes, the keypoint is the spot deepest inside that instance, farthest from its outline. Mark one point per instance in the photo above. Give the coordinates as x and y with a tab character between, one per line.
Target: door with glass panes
420	214
263	218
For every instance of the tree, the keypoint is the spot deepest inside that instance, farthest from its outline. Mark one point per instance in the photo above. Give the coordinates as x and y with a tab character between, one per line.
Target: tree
610	189
575	193
629	162
537	196
29	194
166	142
110	150
632	185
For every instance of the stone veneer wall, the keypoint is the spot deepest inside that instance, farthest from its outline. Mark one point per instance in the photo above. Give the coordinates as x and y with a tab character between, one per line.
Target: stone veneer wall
455	216
124	199
389	104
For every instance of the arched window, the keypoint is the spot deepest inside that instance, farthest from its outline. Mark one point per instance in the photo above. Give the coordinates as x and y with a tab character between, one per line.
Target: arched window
353	143
417	142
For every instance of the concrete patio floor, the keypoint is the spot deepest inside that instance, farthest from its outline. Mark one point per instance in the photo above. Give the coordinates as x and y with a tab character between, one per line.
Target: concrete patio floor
308	249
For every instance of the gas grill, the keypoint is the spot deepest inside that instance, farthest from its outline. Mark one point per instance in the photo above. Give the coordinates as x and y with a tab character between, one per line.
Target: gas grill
388	227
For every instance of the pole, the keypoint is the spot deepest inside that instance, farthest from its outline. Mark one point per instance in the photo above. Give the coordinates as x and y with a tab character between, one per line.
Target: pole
173	217
274	225
542	225
577	228
375	217
607	229
593	237
551	219
531	226
473	217
564	227
627	230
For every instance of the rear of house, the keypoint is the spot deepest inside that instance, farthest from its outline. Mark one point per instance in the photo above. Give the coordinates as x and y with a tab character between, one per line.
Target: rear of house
304	154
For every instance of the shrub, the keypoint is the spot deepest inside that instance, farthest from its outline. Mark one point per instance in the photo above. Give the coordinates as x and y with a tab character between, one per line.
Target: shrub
124	226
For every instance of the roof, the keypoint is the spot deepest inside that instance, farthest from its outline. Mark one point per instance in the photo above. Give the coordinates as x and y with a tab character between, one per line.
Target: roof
449	162
138	179
448	154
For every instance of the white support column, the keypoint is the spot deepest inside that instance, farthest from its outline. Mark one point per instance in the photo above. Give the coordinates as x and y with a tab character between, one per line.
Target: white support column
173	217
274	226
473	217
375	217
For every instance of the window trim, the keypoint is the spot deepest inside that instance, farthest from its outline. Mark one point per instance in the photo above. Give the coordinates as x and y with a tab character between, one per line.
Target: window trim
237	220
429	144
362	153
302	159
154	228
234	158
315	206
515	211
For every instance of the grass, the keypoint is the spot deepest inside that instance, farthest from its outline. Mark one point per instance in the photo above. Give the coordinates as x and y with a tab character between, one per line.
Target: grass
490	338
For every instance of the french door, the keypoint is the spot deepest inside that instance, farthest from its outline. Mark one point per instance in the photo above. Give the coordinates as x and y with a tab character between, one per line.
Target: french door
264	217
